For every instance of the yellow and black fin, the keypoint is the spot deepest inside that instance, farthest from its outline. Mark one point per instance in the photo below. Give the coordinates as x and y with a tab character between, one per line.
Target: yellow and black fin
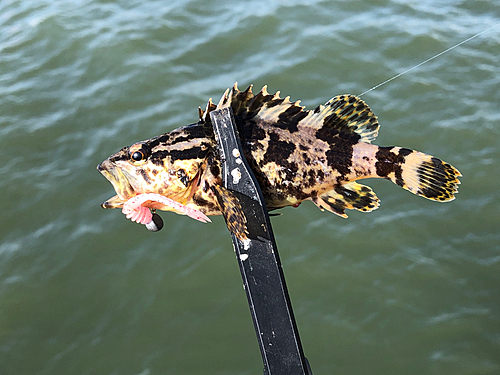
418	173
346	115
351	196
231	209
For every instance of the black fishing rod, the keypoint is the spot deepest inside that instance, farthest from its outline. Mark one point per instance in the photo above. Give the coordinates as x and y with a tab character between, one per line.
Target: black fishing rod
258	259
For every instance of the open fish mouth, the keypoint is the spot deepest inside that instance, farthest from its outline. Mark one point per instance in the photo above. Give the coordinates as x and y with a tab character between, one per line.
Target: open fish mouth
137	206
120	182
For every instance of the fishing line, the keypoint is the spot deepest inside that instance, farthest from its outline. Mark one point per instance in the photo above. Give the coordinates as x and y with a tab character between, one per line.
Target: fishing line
429	59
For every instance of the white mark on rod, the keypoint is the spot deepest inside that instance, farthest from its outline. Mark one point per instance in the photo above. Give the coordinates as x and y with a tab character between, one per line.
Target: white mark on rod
236	175
243	257
236	153
246	244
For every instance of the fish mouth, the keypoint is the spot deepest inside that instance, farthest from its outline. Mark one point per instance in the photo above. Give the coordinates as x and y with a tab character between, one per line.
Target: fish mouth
120	182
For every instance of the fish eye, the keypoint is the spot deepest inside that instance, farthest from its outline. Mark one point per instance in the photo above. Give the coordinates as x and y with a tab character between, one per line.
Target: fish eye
139	152
137	156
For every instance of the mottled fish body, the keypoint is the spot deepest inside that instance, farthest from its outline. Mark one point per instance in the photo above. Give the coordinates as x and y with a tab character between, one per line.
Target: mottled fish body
295	154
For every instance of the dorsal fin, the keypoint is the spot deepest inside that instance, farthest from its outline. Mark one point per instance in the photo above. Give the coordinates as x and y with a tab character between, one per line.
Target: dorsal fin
205	114
245	104
274	109
347	114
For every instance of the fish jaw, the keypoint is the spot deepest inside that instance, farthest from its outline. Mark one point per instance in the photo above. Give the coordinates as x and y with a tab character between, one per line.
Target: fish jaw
120	183
124	179
113	202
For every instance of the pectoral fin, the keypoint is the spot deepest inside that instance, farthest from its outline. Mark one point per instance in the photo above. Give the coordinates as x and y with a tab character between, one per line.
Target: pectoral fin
231	209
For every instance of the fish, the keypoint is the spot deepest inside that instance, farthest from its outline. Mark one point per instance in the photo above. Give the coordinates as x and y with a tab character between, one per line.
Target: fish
296	155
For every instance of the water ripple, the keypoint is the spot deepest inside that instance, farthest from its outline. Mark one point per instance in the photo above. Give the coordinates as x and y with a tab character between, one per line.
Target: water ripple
79	80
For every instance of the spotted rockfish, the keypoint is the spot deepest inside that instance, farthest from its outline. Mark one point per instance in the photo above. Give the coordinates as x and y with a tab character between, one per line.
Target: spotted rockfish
295	154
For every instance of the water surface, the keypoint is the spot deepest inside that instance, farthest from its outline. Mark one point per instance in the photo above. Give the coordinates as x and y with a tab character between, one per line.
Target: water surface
412	288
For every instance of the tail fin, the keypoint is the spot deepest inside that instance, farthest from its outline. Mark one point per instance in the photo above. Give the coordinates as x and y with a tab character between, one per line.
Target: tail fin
418	173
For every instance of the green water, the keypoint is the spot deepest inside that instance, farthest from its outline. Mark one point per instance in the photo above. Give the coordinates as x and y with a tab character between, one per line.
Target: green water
412	288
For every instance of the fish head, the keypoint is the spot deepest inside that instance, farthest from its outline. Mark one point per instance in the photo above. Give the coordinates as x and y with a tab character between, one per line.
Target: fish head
152	167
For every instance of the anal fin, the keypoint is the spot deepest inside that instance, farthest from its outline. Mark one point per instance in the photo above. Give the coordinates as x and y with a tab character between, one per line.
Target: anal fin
231	209
351	196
